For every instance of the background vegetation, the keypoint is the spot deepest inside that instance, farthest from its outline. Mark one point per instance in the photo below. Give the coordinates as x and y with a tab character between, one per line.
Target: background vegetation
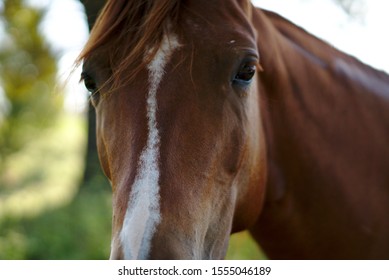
54	201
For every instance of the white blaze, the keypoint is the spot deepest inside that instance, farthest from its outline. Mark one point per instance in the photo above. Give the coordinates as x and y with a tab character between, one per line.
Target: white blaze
143	210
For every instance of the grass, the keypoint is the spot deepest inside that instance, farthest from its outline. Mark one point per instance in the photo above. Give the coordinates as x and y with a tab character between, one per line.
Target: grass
43	213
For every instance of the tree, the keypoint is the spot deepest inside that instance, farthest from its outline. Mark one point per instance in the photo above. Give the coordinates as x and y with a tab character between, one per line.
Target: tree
92	173
27	78
92	9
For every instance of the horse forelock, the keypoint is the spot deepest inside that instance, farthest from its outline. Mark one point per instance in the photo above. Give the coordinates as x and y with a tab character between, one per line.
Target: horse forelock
130	33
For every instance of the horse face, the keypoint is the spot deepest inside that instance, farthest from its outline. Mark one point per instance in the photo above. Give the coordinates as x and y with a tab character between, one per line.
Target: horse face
182	143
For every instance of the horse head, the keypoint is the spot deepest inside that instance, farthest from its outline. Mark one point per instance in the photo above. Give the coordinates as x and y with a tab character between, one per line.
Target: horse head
175	88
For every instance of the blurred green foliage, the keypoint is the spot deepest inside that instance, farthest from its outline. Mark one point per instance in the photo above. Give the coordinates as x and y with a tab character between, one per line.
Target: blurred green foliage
28	69
48	217
243	247
80	230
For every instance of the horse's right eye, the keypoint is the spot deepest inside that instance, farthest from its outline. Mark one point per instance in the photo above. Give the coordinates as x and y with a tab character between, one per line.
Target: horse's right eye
91	86
89	83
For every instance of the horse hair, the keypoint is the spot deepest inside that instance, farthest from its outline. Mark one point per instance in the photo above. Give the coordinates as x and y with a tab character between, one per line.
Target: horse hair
131	33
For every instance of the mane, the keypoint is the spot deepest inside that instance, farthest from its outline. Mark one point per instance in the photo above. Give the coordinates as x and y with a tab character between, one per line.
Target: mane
130	32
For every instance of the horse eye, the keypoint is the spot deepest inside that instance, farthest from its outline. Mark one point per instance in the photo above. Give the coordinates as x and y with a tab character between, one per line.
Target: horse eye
246	73
91	86
89	83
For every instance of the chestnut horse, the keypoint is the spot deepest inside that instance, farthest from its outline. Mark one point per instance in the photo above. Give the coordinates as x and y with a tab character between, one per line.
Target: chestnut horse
214	117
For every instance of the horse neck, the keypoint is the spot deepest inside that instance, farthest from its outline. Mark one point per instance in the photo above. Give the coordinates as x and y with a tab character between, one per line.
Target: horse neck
322	102
322	127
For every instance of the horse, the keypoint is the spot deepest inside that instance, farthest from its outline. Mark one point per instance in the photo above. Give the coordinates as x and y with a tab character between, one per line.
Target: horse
215	117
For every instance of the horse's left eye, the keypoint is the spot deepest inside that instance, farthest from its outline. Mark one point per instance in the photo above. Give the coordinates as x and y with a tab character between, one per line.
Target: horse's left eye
246	73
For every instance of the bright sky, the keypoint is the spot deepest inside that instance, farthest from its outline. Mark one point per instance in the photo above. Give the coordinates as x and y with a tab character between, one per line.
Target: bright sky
367	39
